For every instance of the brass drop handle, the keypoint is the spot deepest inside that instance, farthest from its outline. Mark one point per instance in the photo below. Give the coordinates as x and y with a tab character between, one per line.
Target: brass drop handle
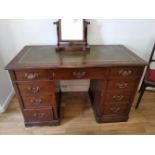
115	109
34	89
79	74
121	85
125	72
36	101
118	97
39	115
31	76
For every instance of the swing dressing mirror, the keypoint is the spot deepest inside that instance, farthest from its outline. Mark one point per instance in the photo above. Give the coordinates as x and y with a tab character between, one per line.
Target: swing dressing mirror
72	35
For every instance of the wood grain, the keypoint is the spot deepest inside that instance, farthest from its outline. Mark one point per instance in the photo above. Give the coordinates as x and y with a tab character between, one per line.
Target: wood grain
77	118
36	69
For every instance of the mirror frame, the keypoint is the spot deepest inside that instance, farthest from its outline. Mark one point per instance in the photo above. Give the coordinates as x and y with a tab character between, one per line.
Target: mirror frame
72	40
72	45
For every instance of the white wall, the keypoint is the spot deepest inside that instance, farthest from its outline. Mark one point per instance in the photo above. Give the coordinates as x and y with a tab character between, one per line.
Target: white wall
6	91
137	35
15	34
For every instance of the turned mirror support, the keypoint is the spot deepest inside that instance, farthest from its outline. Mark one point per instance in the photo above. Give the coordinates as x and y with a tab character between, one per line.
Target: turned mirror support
72	37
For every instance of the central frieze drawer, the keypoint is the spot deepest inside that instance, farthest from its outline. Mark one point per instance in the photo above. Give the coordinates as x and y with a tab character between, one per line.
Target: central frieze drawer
38	115
34	74
83	73
38	101
36	88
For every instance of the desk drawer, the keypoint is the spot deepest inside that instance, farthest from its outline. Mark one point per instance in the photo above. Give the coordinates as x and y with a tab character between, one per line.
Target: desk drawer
119	85
126	72
39	101
115	109
118	97
87	73
36	88
38	115
28	75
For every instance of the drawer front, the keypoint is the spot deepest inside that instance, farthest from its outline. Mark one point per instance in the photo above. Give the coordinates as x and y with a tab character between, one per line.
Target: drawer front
38	115
126	72
118	97
29	75
39	101
121	85
87	73
115	109
36	88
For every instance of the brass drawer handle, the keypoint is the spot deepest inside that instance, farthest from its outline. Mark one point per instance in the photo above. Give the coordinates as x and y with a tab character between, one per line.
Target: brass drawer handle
79	74
31	76
118	97
39	115
34	90
121	85
115	109
36	101
125	72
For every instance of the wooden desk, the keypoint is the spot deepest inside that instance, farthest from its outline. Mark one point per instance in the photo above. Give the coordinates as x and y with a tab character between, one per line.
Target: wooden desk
113	70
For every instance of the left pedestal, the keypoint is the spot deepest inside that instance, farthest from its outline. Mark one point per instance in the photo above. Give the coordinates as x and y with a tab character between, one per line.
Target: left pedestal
38	96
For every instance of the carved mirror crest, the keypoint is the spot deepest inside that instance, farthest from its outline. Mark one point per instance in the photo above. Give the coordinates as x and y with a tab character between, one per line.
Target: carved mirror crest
72	35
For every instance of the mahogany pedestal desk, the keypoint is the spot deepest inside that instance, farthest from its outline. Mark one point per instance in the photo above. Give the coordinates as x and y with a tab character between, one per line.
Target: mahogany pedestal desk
113	70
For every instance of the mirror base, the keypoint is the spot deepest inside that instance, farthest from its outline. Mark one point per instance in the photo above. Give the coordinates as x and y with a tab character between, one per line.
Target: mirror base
73	48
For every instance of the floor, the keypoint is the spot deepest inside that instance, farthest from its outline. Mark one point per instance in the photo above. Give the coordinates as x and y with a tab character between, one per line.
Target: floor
77	118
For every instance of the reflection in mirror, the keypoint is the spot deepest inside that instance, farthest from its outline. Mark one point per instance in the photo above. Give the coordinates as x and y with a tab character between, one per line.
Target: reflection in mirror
72	29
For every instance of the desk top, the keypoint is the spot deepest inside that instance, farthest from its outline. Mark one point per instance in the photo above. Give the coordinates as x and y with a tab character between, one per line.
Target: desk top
45	56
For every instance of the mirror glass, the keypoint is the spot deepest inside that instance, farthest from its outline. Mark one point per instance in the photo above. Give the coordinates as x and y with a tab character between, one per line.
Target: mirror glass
72	29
